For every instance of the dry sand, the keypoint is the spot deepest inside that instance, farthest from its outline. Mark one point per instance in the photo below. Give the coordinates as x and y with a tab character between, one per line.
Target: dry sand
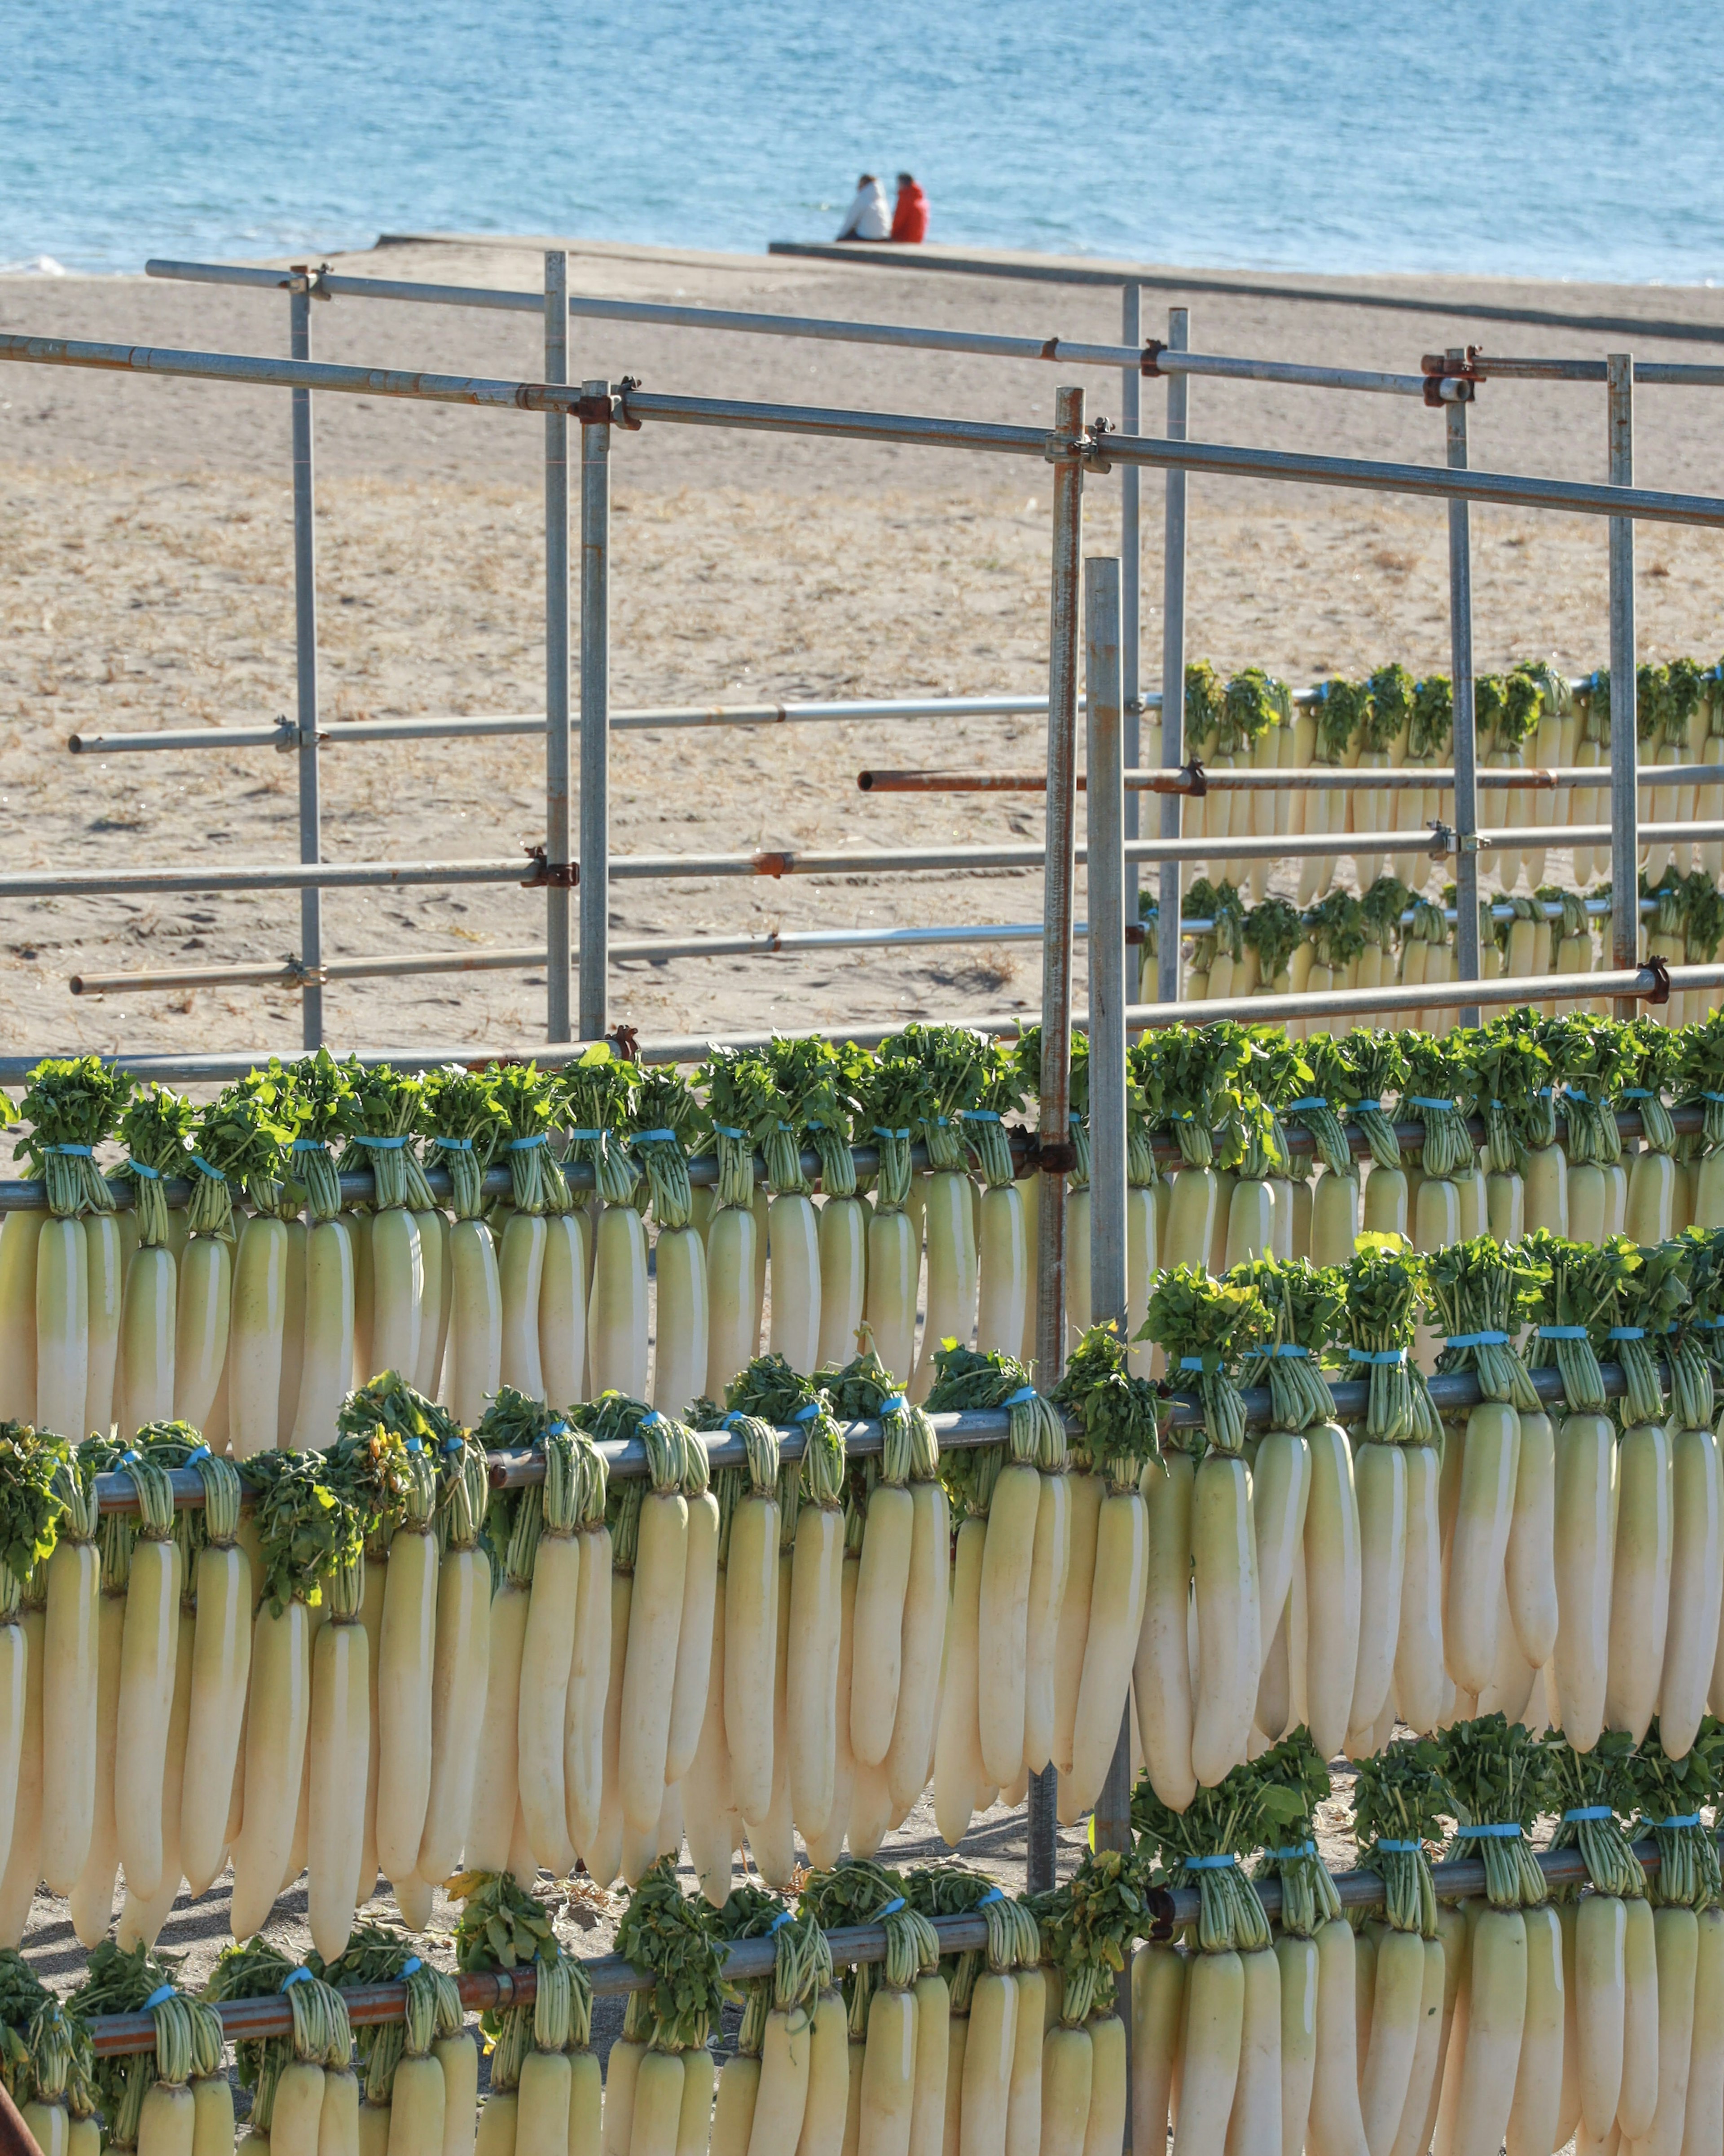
145	581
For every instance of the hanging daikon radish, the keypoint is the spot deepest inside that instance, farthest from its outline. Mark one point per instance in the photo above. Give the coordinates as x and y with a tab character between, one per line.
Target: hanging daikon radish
1208	815
31	1508
750	1583
1337	721
467	1124
1247	740
1199	906
495	1797
1580	1304
1261	709
802	1072
1495	1782
305	1526
70	1646
231	1140
833	1105
319	1104
147	1655
897	1102
1709	795
712	1828
387	1105
460	1665
1198	1072
1387	716
957	1771
1117	1416
1670	1792
743	1104
338	1743
654	1622
1702	930
1702	1085
1006	1264
675	1940
1199	1848
1398	1801
595	1099
1587	804
154	1127
1381	908
1013	1506
952	1058
1480	1294
1434	1078
1646	1304
1588	1789
1691	1641
666	1116
71	1107
524	1095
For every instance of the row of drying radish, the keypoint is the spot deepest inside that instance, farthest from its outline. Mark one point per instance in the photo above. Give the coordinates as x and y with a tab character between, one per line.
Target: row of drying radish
251	1309
1531	718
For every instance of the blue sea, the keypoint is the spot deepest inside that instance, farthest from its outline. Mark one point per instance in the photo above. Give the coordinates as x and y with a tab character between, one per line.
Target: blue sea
1553	138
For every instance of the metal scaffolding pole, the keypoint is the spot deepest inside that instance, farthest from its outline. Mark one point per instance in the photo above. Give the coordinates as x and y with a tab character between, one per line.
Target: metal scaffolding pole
595	714
1108	998
1172	665
1460	638
1131	571
556	652
1624	714
1054	1088
304	591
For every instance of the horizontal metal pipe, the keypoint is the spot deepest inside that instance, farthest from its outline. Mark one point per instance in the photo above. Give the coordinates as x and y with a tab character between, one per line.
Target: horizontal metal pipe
1318	778
371	733
1659	372
1218	458
262	876
327	284
652	950
984	344
1350	1003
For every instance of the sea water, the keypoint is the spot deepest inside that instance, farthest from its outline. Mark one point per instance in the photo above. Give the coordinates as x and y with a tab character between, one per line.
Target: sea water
1557	138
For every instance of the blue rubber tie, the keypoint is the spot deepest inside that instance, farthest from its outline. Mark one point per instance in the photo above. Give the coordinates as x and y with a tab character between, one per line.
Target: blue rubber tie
159	1997
1424	1100
526	1145
1587	1812
383	1145
1676	1819
1509	1833
1016	1399
893	1907
1299	1849
410	1966
301	1975
650	1137
808	1413
149	1174
1210	1863
1191	1362
1400	1848
1562	1332
893	1403
1476	1339
994	1894
1626	1333
1288	1352
1385	1357
454	1145
202	1452
1368	1107
1294	1108
784	1917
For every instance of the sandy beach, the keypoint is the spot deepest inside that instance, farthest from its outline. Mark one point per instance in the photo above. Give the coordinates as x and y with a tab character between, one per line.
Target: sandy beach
146	532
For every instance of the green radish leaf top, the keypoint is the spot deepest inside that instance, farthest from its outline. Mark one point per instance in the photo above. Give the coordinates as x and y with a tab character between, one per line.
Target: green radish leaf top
1596	1061
1384	1285
257	1970
31	1506
865	1390
1336	928
802	1968
235	1141
1116	1412
1481	1294
1601	1780
523	1093
742	1108
676	1939
895	1103
1702	919
1381	909
314	1100
1580	1286
965	1379
1432	720
1654	1053
1293	1780
771	1389
1701	1067
955	1059
1498	1776
391	1108
1694	1344
1087	1926
1649	1300
1200	1069
1000	1092
1227	1820
429	1435
1669	1794
459	1113
72	1105
1253	702
1652	693
1342	712
593	1101
306	1527
952	1890
1437	1083
664	1124
1358	1071
1510	1070
1400	1797
1390	689
801	1073
383	1953
832	1106
1275	931
1206	1327
155	1129
1205	700
1303	1305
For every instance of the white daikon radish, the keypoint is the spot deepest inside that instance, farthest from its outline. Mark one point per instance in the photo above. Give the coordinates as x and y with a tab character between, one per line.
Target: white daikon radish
742	1102
70	1646
654	1622
889	1304
220	1675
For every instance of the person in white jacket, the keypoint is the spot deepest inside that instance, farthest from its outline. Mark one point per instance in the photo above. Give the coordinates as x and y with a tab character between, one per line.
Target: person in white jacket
871	215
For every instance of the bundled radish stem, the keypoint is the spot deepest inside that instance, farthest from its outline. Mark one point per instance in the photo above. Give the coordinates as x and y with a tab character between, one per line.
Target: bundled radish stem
466	1124
1199	1073
524	1095
50	2072
409	2097
1506	2052
1005	1262
1086	1931
386	1106
666	1117
1591	1788
998	2002
768	2079
1398	1800
292	2078
320	1106
742	1103
156	1129
888	2080
678	1942
1595	1058
596	1093
63	1313
1342	708
1229	2035
1481	1294
1434	1079
1205	1327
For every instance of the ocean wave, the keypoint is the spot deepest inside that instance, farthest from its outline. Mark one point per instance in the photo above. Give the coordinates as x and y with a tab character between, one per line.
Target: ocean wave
38	265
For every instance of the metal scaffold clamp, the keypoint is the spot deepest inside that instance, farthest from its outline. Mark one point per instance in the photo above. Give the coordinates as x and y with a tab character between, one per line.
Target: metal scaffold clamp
300	975
302	278
1094	450
1443	841
1444	384
290	736
1659	992
544	875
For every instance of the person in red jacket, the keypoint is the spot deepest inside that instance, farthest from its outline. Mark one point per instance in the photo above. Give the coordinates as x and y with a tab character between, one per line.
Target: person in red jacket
910	213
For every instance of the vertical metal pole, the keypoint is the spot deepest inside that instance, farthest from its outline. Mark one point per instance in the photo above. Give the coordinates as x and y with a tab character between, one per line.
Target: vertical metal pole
1130	574
595	717
557	650
1173	662
1105	802
305	595
1466	787
1054	1088
1625	717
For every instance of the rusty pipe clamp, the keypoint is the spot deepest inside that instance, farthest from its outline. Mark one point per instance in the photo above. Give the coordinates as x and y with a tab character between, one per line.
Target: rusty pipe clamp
302	278
544	875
